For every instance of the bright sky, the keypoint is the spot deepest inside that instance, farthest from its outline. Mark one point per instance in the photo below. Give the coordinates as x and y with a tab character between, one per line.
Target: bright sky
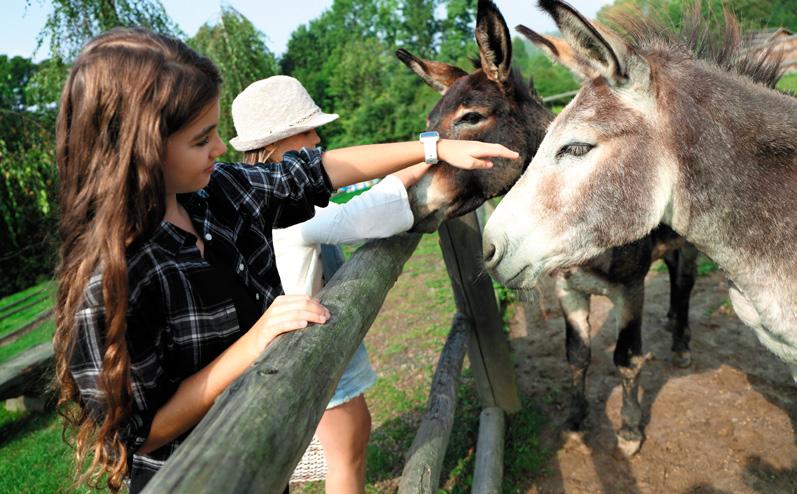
276	19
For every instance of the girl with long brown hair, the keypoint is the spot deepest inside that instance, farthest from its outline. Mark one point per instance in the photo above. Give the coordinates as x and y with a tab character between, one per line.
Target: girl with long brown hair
168	290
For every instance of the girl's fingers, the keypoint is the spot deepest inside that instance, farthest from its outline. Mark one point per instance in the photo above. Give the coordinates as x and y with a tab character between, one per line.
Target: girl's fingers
297	302
488	150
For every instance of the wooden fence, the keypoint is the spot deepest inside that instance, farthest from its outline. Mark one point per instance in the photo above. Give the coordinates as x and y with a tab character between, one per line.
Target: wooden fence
256	432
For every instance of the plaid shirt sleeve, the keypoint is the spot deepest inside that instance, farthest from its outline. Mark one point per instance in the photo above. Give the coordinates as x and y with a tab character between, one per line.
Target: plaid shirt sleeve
145	339
282	194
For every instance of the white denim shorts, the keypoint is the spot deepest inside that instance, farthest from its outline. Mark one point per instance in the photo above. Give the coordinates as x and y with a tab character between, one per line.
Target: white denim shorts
357	377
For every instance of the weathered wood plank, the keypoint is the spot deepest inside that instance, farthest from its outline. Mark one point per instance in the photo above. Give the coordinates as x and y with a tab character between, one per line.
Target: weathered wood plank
421	473
40	319
28	372
488	349
489	471
255	434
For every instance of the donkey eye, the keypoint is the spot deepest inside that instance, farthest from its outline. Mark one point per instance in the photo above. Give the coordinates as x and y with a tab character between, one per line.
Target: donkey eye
471	118
576	149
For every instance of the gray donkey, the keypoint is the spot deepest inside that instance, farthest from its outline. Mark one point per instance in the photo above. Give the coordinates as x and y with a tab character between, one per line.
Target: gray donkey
494	104
667	128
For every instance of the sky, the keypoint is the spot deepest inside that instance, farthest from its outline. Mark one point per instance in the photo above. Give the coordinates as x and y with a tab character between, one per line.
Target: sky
275	18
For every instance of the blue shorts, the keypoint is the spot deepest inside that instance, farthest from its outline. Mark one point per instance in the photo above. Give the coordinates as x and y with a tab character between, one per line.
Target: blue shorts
357	377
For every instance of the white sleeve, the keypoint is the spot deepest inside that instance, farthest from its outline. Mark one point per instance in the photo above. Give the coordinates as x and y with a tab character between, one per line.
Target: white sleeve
380	212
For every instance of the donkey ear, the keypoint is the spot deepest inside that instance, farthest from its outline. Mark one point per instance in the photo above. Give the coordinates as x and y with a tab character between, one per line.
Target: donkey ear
439	75
495	45
601	48
560	52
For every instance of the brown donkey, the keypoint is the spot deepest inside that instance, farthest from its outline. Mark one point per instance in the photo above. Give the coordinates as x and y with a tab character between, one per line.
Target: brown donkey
494	104
667	128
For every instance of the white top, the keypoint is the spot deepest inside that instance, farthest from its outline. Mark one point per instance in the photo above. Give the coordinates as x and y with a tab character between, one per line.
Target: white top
380	212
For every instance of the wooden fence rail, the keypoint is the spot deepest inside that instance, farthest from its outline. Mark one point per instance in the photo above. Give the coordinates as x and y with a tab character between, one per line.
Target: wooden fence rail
28	372
255	434
425	459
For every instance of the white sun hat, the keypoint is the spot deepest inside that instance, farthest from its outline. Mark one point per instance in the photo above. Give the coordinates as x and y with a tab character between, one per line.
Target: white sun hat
272	109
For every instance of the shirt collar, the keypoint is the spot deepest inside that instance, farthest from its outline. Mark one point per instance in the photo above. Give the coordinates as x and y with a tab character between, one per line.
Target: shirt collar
172	238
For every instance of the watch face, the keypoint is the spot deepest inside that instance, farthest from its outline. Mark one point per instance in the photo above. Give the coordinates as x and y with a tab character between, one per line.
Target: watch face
430	135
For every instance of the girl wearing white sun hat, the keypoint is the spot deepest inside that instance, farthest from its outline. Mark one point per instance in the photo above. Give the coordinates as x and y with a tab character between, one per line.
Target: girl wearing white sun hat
260	113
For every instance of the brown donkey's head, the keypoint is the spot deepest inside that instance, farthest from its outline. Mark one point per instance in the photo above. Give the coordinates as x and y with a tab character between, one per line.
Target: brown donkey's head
491	104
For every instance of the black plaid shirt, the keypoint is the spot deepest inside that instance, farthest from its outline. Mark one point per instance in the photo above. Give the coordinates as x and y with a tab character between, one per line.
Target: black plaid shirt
176	322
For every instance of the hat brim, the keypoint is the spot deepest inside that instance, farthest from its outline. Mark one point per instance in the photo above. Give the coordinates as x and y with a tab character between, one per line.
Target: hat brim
291	130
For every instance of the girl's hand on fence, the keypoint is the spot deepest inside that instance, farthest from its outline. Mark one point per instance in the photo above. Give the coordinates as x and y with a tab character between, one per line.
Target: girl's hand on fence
288	313
470	155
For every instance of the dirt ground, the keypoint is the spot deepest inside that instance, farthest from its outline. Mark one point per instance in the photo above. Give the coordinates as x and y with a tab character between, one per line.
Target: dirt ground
724	425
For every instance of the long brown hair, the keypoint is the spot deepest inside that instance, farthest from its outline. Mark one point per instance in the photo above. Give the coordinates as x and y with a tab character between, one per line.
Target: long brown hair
127	92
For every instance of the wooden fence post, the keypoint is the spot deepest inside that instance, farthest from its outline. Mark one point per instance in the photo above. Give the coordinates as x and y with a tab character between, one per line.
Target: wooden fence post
421	473
488	348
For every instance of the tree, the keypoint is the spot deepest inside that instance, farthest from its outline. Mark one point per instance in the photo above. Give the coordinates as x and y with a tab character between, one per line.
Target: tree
239	51
457	44
753	14
345	58
73	22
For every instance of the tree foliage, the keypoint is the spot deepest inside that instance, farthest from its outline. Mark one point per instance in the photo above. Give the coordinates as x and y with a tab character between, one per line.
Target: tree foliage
345	58
239	51
754	14
73	22
27	177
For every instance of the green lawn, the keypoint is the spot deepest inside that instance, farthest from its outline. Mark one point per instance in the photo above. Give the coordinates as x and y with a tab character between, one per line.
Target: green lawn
40	302
788	83
10	299
33	458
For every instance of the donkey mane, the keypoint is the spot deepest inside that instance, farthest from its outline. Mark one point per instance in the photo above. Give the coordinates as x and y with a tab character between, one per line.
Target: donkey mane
707	38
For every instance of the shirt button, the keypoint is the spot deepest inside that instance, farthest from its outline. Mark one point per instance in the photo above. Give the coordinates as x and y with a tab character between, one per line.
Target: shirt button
257	296
240	268
208	237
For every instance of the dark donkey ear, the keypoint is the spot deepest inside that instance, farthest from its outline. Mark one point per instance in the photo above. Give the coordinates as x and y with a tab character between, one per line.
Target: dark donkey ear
439	75
560	52
596	47
495	45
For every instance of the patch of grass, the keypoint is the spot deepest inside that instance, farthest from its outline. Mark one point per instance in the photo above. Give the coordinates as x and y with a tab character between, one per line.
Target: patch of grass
525	457
11	324
659	266
788	83
10	299
345	197
39	335
724	307
33	457
705	266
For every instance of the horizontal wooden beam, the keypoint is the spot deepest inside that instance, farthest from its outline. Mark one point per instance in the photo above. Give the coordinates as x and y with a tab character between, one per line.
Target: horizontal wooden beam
28	372
256	432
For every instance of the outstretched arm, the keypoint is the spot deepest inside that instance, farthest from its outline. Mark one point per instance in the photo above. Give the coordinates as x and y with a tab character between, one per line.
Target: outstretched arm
358	163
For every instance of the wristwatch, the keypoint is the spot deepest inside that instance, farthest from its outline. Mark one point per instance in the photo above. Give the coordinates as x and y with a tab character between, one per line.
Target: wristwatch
429	140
